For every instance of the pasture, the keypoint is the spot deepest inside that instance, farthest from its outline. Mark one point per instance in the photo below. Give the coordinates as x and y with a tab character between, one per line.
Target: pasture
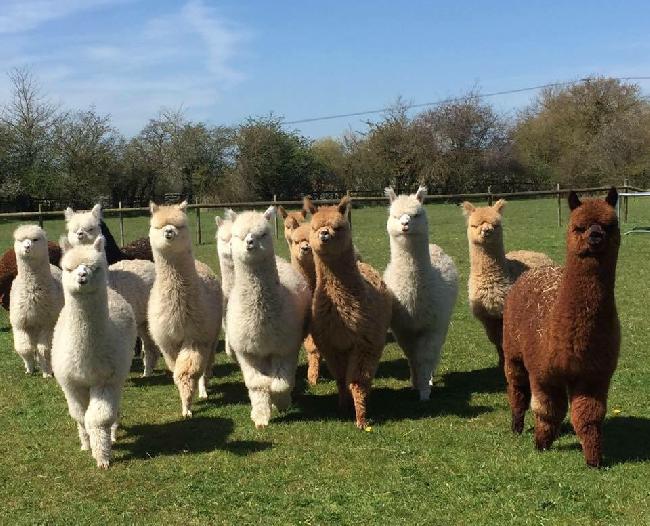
452	460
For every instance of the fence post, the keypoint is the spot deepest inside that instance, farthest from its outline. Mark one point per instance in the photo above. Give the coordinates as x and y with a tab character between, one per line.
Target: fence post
119	205
489	195
40	215
559	205
198	222
275	221
625	202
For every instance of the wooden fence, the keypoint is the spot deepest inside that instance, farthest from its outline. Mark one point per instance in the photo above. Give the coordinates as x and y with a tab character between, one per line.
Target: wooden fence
488	196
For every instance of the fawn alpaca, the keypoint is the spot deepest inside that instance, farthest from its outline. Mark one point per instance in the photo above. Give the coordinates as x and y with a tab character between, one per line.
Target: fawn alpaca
493	271
561	332
92	347
351	308
226	266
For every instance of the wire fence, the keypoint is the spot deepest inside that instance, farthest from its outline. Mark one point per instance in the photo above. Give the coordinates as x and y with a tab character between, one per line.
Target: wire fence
488	196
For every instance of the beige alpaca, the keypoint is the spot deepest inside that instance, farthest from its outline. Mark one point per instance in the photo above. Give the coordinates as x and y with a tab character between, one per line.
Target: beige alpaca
185	304
493	271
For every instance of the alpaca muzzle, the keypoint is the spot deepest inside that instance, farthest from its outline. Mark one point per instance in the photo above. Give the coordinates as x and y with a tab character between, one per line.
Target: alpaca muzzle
596	235
324	236
82	275
305	249
80	235
169	233
250	242
405	220
27	246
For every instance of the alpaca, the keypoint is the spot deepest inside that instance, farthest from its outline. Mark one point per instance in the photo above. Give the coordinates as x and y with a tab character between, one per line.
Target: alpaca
185	304
561	334
267	314
302	260
132	279
226	266
37	299
424	283
492	271
293	220
351	308
92	347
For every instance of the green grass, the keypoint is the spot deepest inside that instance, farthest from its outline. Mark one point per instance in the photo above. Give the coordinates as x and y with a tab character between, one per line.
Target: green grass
451	460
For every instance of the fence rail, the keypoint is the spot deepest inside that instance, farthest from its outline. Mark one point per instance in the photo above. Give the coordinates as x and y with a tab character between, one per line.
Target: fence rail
488	196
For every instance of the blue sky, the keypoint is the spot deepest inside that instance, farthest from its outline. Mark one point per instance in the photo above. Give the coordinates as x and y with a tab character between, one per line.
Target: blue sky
224	60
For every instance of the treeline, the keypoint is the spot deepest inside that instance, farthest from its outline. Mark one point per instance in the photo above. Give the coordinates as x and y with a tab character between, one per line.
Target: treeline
589	133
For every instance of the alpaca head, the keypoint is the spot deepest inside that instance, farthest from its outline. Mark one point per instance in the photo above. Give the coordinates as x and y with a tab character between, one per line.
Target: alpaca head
407	216
169	232
299	246
593	226
84	267
30	243
484	223
330	233
83	227
252	240
292	220
224	233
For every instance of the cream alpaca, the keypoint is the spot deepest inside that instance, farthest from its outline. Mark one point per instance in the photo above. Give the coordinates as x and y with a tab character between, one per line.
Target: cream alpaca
36	299
267	313
226	266
493	271
92	348
132	279
185	304
424	283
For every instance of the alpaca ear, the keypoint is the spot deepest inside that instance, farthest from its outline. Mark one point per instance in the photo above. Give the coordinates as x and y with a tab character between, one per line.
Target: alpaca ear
421	194
468	208
344	205
303	213
99	244
612	197
218	220
65	244
283	212
230	214
574	200
68	213
499	205
269	214
390	193
97	211
182	206
308	205
153	207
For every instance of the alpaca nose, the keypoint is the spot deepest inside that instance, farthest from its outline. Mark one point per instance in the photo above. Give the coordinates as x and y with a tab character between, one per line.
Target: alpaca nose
250	242
405	219
486	230
80	235
596	235
27	244
168	233
324	235
82	275
305	249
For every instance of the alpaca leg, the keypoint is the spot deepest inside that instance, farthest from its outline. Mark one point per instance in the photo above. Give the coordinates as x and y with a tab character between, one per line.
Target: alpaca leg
549	404
25	349
283	372
361	370
494	331
114	432
313	360
518	392
258	382
190	365
205	377
149	351
588	408
44	353
77	399
101	415
425	359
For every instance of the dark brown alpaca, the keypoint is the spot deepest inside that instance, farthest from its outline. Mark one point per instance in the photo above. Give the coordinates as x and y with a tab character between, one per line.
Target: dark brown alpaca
351	308
561	334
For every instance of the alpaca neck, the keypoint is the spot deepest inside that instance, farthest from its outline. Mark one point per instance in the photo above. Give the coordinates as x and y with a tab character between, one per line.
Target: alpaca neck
176	269
88	313
488	259
340	269
258	280
34	272
410	252
588	284
306	267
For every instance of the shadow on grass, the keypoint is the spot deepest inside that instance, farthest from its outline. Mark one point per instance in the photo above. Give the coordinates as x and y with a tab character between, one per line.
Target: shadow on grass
195	435
5	329
626	439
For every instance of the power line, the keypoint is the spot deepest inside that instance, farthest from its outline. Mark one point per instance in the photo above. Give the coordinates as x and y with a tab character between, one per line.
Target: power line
452	100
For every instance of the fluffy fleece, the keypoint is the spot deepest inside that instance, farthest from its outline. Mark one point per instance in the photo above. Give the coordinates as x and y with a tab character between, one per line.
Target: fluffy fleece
424	283
267	313
302	260
185	304
351	308
562	334
36	297
92	348
226	266
492	271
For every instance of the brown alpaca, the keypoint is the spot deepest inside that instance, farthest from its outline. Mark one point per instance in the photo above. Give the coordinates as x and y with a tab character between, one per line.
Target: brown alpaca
302	260
561	332
351	308
293	220
493	271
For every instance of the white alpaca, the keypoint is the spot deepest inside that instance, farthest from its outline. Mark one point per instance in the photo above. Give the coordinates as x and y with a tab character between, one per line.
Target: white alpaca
36	299
92	348
267	312
185	304
424	283
226	266
132	279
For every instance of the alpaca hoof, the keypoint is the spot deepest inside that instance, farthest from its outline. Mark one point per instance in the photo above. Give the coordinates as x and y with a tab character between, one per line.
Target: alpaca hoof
361	424
203	396
517	427
48	375
103	464
146	374
312	380
187	413
261	426
85	447
425	394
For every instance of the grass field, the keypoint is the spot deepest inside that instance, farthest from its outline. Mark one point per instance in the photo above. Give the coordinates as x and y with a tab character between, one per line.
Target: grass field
452	460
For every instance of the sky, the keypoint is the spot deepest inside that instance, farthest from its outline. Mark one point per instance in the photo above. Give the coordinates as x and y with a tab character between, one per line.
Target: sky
222	61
